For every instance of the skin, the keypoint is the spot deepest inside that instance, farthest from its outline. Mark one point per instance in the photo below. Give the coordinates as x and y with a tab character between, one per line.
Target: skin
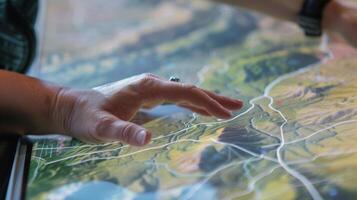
102	114
340	21
339	16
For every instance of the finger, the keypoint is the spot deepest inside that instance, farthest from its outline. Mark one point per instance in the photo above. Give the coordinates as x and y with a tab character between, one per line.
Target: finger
195	109
151	104
178	93
229	103
109	128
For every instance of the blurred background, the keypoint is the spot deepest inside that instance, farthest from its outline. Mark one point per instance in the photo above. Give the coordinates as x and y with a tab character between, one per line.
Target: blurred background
87	43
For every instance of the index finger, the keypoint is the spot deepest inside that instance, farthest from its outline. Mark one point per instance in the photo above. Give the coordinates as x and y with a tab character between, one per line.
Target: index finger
179	93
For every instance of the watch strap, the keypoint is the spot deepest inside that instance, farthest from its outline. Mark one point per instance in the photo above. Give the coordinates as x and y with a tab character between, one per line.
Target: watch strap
310	17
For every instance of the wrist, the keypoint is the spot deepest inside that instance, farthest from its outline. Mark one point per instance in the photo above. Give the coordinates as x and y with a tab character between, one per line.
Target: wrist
61	110
68	106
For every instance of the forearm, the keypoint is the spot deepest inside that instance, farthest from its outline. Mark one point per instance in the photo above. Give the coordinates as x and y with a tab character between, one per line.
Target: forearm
288	10
282	9
25	104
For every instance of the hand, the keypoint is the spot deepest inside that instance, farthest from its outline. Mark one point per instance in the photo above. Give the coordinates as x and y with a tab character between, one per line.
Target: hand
340	20
103	114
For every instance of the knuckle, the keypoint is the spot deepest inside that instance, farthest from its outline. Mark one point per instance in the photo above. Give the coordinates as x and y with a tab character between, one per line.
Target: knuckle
147	86
148	77
126	132
190	87
146	80
102	125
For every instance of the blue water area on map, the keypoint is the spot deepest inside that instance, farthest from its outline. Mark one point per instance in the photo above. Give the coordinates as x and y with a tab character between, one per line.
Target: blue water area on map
98	190
165	110
104	190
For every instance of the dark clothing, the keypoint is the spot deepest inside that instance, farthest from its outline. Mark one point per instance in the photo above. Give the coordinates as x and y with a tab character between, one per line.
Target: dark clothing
17	35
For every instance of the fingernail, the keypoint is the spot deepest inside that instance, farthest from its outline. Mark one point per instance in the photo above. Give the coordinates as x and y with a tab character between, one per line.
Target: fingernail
227	114
239	101
141	137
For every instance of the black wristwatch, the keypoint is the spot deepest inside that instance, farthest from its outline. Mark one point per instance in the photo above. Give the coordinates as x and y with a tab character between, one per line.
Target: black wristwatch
310	17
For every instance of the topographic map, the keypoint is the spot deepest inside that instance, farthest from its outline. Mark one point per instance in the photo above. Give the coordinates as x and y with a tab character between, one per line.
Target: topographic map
295	138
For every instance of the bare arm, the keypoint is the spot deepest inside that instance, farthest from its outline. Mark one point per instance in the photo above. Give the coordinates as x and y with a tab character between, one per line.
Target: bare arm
339	17
282	9
25	103
29	105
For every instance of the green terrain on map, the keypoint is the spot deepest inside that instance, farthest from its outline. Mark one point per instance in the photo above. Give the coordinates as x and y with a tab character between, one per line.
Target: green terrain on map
294	139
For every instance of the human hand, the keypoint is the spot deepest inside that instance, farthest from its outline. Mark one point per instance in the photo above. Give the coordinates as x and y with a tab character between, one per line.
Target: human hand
340	20
103	114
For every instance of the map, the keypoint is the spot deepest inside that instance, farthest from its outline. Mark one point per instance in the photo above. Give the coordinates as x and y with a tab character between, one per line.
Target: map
295	137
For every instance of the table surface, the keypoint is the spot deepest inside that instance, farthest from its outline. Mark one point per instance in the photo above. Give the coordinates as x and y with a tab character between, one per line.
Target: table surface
294	138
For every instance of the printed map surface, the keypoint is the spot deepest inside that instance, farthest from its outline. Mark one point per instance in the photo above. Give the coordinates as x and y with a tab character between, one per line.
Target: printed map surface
295	138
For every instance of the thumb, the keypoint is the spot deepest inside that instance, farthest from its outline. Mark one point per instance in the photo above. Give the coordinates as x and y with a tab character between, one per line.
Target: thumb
110	128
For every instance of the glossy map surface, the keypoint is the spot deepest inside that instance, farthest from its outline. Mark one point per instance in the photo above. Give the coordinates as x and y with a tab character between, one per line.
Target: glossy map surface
295	138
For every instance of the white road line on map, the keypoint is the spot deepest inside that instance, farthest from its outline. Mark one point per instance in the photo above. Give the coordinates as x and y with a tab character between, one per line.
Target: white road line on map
35	173
117	142
324	129
110	150
45	152
39	158
309	186
176	173
281	191
327	154
51	150
237	116
159	137
233	152
83	154
77	147
246	151
174	133
253	182
314	133
136	152
204	181
265	132
247	170
43	144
